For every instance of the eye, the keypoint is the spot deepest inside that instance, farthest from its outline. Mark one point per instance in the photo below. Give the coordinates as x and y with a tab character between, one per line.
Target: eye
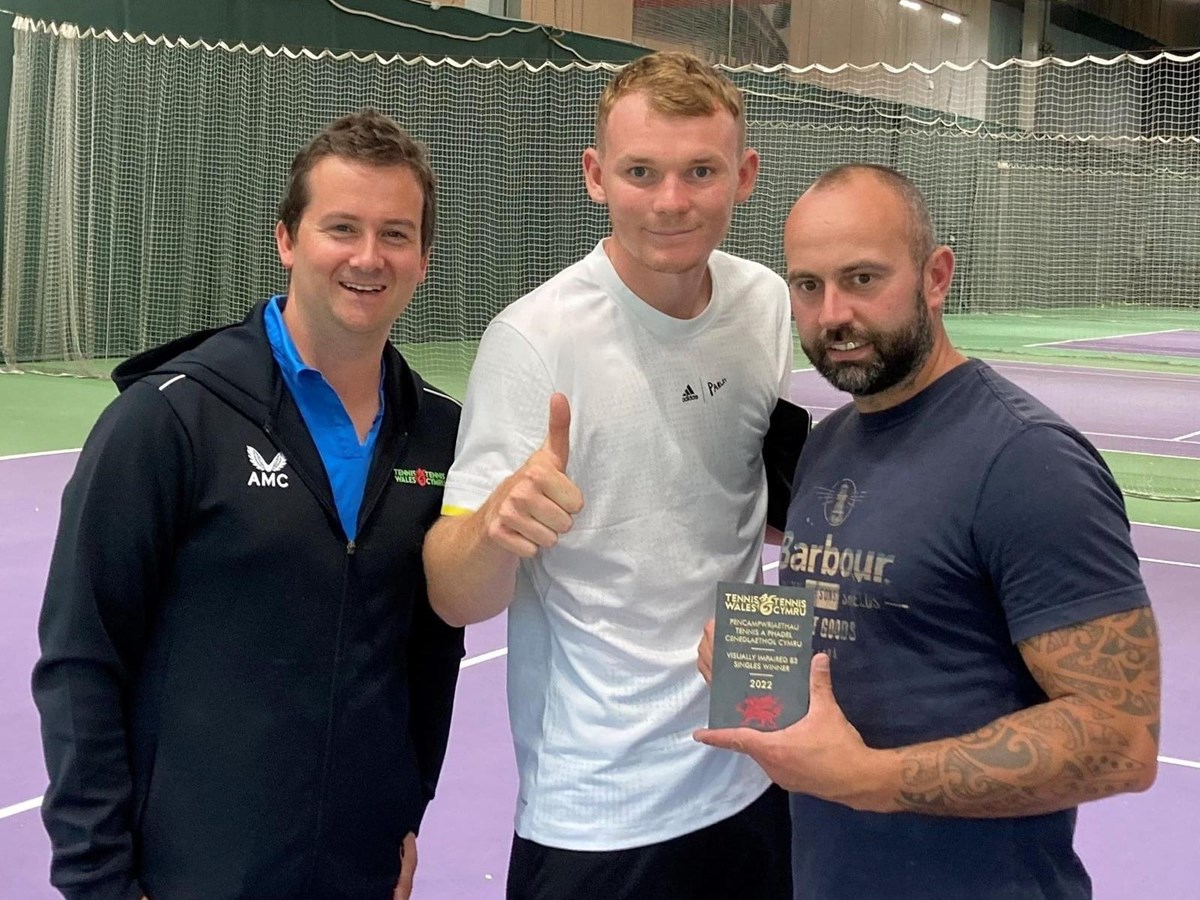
702	171
638	172
805	286
341	228
862	279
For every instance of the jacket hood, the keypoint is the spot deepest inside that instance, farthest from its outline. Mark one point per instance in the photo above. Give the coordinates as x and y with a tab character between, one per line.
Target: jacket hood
156	358
228	362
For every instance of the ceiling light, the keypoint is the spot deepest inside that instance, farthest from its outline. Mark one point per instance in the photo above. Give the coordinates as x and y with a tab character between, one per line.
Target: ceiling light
952	18
910	4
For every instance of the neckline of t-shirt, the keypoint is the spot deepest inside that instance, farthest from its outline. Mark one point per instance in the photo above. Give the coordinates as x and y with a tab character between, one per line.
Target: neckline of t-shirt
655	321
894	415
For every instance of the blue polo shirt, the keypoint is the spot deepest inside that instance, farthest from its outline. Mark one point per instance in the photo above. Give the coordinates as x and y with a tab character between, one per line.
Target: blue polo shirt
347	462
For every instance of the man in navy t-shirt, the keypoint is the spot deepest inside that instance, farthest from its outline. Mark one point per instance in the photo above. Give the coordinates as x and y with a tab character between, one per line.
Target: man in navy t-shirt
987	658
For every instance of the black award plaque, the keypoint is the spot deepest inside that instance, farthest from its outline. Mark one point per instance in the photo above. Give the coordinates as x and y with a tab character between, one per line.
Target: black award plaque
762	649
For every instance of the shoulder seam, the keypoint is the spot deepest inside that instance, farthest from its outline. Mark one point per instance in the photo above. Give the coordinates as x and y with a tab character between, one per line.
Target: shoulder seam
497	323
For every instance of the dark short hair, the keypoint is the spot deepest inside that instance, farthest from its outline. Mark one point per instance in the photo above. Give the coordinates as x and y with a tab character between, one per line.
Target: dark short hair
370	137
920	222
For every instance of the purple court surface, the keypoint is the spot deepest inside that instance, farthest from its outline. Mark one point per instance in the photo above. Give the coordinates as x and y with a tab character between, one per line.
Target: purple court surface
1141	412
1140	845
1177	342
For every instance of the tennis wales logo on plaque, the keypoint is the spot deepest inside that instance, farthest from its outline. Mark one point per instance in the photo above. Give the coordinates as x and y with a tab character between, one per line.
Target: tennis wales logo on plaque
762	648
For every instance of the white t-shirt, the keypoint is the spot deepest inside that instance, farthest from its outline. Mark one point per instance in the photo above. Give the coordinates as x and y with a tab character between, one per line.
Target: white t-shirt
667	423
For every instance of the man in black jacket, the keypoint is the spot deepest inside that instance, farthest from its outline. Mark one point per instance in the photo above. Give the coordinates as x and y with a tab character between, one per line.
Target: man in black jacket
244	692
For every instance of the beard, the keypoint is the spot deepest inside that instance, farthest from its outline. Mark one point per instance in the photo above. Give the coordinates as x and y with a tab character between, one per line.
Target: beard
899	354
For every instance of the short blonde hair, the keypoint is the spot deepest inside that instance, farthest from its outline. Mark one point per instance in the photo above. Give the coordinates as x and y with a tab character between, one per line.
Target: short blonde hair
675	84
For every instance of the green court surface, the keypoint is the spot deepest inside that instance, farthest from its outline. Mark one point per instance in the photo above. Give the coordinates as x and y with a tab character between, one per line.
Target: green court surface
1025	336
1159	490
44	412
53	407
1155	512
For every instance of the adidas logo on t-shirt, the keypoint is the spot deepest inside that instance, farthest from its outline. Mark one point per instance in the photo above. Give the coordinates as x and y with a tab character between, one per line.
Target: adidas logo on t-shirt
689	394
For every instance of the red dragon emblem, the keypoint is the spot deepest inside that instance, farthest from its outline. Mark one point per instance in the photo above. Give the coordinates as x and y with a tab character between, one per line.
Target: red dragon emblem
763	710
421	478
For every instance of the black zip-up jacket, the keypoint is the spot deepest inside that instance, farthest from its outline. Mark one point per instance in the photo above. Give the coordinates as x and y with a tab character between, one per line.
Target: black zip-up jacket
237	701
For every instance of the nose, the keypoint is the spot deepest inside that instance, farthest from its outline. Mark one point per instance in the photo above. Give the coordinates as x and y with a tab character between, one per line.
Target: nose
835	311
367	257
671	196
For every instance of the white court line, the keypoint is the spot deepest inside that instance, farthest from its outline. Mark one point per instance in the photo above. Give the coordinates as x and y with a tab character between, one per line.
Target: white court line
1149	559
482	658
1169	562
1098	371
36	802
20	807
1184	437
27	805
40	453
1137	437
465	664
1172	761
1168	527
1107	337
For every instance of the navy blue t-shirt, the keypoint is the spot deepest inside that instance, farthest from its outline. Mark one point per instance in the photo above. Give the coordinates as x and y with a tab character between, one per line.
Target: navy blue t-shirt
939	534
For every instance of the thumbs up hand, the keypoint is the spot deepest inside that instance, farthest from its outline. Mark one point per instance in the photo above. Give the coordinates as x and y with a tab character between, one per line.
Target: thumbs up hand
557	445
537	503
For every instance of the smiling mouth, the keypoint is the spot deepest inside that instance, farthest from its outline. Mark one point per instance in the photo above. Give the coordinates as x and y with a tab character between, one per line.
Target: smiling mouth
361	288
847	345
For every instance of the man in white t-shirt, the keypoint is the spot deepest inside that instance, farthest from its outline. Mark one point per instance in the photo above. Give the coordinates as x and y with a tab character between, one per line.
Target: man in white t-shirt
608	473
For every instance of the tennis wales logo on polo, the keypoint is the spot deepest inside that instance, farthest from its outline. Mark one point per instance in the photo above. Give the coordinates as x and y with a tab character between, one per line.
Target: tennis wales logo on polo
420	477
266	474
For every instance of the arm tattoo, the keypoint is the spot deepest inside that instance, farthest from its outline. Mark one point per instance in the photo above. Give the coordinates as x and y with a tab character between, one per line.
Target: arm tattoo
1095	736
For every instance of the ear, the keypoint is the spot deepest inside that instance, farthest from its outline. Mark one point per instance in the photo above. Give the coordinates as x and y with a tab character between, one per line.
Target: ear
938	273
424	265
283	243
593	176
747	174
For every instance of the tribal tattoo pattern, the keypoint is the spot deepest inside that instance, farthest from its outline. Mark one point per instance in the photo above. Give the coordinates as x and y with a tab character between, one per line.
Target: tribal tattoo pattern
1096	735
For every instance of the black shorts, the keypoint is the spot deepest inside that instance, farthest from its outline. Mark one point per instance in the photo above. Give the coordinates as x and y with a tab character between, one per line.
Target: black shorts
747	856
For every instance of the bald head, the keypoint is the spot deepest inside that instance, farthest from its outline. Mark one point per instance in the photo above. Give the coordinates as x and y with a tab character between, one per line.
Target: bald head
920	223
